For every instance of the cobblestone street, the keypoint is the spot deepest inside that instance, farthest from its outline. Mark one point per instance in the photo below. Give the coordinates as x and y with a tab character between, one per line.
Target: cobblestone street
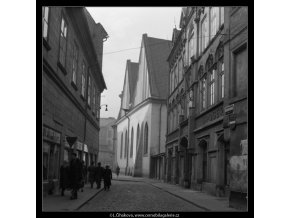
136	197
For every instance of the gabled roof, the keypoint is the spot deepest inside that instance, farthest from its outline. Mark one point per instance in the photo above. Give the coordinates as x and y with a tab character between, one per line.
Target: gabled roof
157	51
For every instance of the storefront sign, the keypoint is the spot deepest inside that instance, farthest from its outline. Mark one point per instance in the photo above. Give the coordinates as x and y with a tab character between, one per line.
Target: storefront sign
51	135
85	148
79	146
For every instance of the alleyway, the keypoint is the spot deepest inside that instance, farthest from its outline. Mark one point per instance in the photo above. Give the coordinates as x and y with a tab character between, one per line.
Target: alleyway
137	197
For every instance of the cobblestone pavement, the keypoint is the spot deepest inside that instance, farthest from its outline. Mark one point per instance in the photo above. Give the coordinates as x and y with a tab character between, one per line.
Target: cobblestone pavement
136	197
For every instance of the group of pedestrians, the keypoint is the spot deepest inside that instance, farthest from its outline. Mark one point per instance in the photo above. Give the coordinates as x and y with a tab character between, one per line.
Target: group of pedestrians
73	176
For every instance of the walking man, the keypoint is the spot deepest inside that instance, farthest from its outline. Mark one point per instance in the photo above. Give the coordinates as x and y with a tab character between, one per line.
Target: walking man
107	178
75	175
99	175
92	171
64	177
117	171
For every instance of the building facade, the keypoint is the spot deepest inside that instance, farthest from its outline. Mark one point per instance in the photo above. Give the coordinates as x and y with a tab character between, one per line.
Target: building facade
106	148
141	124
72	83
206	146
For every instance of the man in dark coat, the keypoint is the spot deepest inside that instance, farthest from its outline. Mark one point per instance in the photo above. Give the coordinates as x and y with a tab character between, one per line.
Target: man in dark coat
64	177
75	175
99	175
107	178
92	172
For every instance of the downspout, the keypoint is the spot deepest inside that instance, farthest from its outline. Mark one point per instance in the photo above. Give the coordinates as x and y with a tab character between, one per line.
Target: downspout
159	137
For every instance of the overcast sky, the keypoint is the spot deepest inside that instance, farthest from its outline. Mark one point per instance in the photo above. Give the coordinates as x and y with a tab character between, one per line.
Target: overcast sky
125	26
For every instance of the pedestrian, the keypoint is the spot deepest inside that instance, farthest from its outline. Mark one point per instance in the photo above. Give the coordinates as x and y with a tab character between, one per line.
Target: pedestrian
64	177
117	171
107	178
99	175
92	171
83	176
75	175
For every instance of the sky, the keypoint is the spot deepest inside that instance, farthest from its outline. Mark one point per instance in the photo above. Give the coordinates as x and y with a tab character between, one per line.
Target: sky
125	27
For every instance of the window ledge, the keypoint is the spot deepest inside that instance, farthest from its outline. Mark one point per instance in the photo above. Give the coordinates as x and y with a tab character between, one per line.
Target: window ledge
61	67
74	85
46	45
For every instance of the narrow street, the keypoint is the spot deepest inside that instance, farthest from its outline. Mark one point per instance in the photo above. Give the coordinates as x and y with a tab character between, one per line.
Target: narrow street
136	197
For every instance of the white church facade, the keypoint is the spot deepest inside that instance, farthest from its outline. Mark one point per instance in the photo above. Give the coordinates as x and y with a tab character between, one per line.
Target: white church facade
142	120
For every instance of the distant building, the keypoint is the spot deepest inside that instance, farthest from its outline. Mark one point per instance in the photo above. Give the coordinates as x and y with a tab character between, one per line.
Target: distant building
141	123
106	149
72	83
207	102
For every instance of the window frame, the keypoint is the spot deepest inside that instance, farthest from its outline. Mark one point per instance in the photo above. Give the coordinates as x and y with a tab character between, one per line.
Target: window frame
46	39
83	84
75	61
63	18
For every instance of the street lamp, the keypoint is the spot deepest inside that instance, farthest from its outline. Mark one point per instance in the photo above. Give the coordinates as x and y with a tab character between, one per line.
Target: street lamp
126	111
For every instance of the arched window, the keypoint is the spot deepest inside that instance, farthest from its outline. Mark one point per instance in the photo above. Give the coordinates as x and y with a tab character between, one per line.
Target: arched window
138	137
126	144
211	71
121	150
202	87
132	141
146	139
219	58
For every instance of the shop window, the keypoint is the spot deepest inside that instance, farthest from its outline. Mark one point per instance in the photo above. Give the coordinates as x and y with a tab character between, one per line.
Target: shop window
45	159
65	155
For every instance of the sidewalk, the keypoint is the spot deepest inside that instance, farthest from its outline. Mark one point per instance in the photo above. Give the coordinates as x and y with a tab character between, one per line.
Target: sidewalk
200	199
57	202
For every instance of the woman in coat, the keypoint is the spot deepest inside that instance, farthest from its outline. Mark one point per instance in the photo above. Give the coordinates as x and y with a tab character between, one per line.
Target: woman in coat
107	178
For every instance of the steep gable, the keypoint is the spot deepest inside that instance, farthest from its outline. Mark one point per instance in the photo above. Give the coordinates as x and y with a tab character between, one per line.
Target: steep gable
157	51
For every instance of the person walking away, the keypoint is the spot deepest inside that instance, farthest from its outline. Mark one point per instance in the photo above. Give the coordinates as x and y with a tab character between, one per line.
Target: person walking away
117	171
83	176
64	177
92	171
75	175
99	175
107	178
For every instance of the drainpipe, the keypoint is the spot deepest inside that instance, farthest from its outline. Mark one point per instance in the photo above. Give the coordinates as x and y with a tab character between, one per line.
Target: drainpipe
126	170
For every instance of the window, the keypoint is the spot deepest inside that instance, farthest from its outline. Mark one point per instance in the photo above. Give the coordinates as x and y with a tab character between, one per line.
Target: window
75	63
146	139
121	150
45	12
132	141
63	42
89	91
203	94
220	66
222	81
191	50
180	69
98	104
94	98
204	33
126	144
172	80
175	76
214	21
83	78
211	86
137	139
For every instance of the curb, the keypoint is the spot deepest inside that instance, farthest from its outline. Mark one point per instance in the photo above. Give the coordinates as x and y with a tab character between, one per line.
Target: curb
86	201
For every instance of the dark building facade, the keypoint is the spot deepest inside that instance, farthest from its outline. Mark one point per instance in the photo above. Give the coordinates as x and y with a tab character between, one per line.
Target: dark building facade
207	107
72	83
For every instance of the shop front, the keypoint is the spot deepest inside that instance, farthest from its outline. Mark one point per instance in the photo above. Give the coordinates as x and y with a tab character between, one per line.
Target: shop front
86	155
51	159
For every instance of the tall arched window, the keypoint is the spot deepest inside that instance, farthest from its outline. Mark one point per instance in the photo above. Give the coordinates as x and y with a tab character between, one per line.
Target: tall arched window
138	137
132	141
219	57
146	139
211	71
126	144
202	88
121	150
